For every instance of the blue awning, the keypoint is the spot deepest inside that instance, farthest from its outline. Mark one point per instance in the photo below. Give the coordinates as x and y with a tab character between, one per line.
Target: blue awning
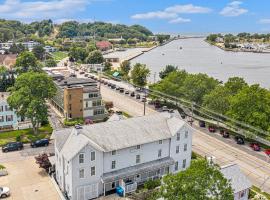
115	74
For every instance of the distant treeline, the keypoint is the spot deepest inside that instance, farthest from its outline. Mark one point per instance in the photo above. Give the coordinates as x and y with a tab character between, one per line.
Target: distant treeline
11	29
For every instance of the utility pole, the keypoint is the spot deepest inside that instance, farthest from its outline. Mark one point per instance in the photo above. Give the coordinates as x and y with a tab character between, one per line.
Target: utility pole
155	77
144	102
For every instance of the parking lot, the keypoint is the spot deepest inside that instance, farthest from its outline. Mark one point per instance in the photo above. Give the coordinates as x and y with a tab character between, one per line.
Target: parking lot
25	179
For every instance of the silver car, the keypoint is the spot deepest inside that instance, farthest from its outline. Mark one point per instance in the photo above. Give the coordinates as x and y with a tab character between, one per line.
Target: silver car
4	192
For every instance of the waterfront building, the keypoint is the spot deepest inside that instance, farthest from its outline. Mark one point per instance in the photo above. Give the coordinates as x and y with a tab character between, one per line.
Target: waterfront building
78	98
93	160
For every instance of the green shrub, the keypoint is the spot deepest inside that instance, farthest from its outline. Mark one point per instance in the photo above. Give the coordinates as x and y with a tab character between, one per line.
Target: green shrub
2	167
19	138
251	194
73	122
151	184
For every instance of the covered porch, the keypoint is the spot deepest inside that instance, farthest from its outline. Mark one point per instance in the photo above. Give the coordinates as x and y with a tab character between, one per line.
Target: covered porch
131	177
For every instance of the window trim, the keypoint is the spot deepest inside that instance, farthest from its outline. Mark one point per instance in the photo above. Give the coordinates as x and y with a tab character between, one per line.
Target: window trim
177	149
80	158
91	156
113	164
80	173
94	167
138	158
178	136
185	147
113	152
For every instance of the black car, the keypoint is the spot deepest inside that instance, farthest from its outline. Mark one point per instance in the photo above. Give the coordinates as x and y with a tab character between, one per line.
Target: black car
121	90
40	143
239	140
202	124
117	88
113	86
132	94
12	146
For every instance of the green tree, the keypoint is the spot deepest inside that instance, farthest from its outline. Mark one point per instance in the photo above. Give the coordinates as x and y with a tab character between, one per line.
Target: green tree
29	95
161	38
196	86
235	84
50	63
16	49
78	53
139	74
201	181
125	67
95	57
217	100
25	62
107	66
168	69
39	52
172	84
252	106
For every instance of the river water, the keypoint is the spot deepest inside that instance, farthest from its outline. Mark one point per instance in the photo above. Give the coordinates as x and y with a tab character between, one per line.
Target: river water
198	56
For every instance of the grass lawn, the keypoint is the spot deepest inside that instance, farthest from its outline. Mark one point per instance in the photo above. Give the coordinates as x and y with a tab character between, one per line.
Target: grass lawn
59	55
25	135
256	189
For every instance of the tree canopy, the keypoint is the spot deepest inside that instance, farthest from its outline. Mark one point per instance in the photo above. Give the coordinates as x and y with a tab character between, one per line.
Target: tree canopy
139	74
79	54
39	52
168	69
201	181
25	62
29	94
95	57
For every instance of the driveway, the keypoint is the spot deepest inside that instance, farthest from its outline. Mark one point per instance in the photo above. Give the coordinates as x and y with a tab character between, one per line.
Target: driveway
27	181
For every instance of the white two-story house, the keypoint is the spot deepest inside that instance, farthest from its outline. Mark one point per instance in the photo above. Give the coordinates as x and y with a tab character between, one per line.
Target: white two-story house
95	159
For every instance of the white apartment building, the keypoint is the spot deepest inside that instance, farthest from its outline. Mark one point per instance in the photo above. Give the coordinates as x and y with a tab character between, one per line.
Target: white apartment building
95	159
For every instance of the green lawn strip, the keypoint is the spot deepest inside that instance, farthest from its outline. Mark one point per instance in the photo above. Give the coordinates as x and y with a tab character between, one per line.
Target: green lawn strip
25	135
258	190
59	55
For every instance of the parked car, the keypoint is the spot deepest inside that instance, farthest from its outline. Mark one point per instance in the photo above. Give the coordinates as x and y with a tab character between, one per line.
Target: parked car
226	134
105	83
143	99
86	75
117	88
82	72
40	143
183	115
267	152
132	94
255	146
202	124
211	129
165	108
121	90
138	96
72	75
4	192
126	92
12	146
113	86
239	140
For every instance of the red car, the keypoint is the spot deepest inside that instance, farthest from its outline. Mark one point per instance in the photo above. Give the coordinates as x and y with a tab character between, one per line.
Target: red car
255	146
211	129
267	151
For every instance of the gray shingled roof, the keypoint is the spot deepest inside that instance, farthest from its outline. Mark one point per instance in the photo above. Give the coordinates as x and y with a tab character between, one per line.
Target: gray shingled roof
115	135
238	180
